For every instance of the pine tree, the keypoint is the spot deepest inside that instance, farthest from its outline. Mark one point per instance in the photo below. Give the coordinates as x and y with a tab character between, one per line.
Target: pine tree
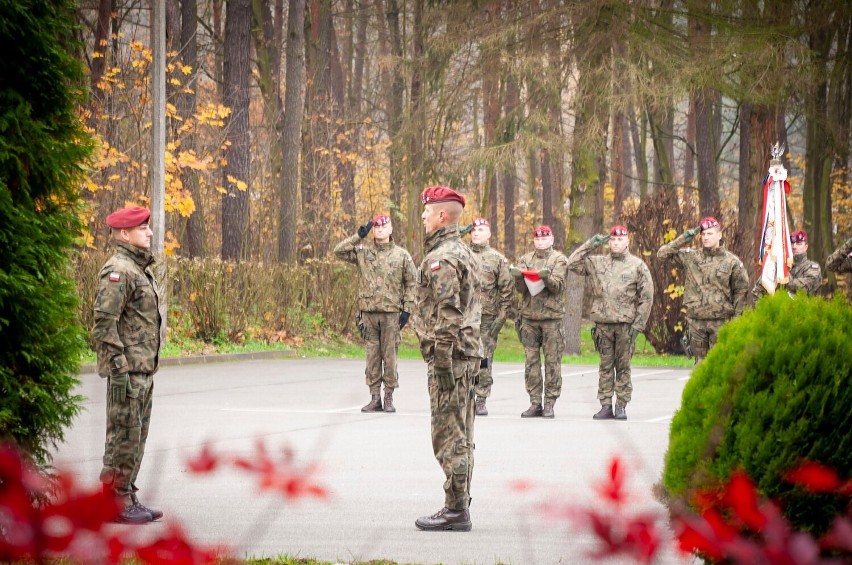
42	149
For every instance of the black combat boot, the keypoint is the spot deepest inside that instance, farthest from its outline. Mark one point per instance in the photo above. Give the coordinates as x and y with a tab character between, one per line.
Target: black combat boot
620	413
155	514
481	410
375	404
605	413
534	411
446	520
133	514
548	410
389	407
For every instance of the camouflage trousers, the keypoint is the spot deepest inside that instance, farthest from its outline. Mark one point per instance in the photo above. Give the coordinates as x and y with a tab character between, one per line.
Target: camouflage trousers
545	336
489	344
126	434
452	430
703	335
382	337
616	349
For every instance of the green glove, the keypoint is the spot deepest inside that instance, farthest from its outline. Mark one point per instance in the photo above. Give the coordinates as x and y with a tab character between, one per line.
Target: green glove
465	230
689	235
515	272
599	239
118	387
446	380
544	274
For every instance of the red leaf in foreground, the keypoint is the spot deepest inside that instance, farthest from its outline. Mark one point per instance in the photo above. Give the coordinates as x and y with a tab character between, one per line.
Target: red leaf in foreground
204	462
814	477
840	536
613	488
741	496
174	549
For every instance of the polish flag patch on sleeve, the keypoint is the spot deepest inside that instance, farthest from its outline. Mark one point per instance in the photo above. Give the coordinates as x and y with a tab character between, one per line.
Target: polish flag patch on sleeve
114	277
435	265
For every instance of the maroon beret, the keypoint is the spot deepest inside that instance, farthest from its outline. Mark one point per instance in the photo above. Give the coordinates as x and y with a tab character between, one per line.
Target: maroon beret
799	236
480	222
381	220
709	222
618	230
542	231
435	194
129	217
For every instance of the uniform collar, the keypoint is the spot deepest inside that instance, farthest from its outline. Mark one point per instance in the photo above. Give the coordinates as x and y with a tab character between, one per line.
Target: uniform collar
800	258
440	235
618	256
479	247
713	252
141	257
543	254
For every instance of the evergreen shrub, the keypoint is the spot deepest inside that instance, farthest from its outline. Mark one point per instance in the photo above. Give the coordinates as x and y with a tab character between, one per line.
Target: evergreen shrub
42	149
773	392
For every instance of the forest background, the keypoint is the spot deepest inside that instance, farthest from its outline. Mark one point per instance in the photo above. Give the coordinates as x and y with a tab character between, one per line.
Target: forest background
291	123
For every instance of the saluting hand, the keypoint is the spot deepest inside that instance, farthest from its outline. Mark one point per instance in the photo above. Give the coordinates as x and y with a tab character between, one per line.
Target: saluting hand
365	229
690	234
598	239
465	230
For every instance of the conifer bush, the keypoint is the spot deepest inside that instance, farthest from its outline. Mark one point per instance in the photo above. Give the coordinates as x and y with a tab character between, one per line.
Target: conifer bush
42	146
772	393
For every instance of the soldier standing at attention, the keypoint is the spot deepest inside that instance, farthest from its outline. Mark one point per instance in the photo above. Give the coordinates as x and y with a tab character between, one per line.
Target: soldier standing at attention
385	302
841	260
496	291
715	283
804	274
622	294
539	321
447	325
128	333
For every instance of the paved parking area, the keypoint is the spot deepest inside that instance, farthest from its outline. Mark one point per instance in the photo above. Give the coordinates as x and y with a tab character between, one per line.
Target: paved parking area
379	468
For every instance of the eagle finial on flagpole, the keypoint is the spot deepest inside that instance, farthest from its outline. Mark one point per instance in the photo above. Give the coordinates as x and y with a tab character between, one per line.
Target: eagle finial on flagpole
777	151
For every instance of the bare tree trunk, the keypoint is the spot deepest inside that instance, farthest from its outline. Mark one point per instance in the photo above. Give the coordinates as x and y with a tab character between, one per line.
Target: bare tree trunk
294	103
416	132
99	61
394	101
186	103
237	69
510	106
705	136
218	72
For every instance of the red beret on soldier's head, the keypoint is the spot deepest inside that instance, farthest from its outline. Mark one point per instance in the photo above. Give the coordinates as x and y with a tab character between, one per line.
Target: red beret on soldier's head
129	217
799	236
480	222
381	220
435	194
618	230
542	231
709	222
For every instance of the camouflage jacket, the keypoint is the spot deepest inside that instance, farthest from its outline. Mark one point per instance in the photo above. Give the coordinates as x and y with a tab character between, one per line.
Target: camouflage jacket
130	314
385	274
496	282
549	304
840	261
448	303
622	288
715	281
804	274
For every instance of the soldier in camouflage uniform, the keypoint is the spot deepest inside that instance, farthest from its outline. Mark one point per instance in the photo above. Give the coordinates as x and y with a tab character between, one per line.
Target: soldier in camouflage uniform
497	289
804	274
622	293
385	302
715	287
539	320
841	260
447	325
129	331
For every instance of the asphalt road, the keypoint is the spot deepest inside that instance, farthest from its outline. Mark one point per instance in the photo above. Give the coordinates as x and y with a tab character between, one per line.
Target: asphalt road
379	468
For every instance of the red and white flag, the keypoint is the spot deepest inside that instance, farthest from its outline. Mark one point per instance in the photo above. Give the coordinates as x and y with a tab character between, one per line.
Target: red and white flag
534	282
